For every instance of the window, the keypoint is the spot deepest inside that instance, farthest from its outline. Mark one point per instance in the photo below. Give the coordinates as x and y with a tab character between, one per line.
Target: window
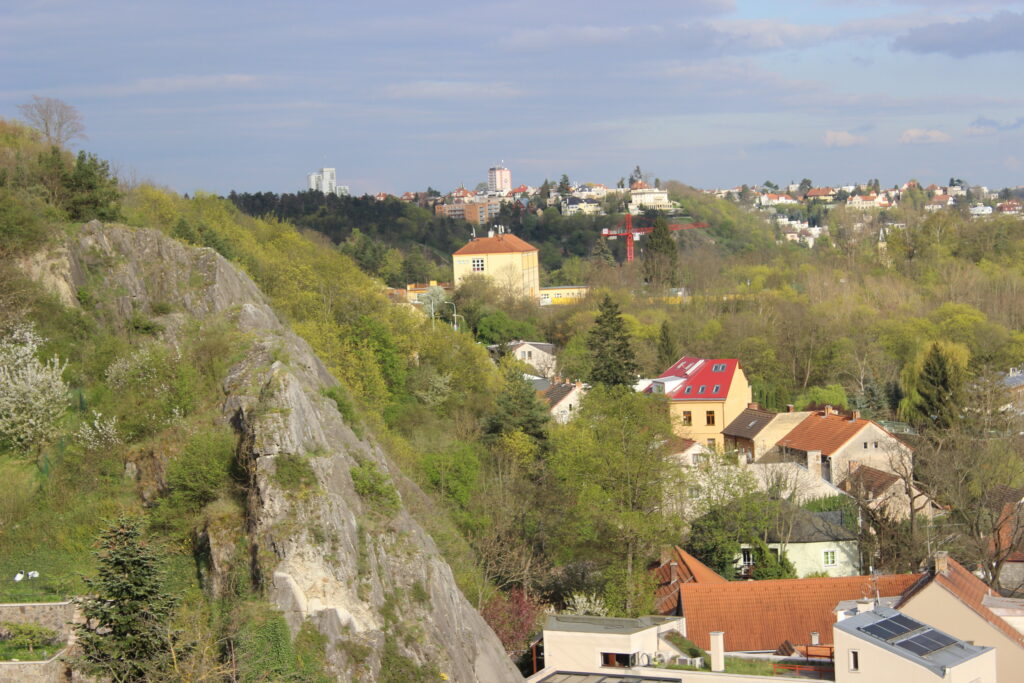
829	557
618	660
718	367
865	445
747	557
478	265
703	387
689	390
716	389
876	444
529	355
687	418
709	418
854	660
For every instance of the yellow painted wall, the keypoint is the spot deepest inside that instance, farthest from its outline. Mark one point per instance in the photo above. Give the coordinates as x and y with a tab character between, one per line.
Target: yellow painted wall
725	411
518	271
878	665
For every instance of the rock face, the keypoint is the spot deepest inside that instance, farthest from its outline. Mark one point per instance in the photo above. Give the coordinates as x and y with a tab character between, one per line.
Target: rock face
356	565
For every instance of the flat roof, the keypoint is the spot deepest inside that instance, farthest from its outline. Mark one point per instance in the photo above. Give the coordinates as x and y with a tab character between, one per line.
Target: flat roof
579	677
911	639
619	625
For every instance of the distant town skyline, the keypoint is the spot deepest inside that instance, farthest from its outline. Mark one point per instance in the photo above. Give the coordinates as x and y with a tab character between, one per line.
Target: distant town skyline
400	95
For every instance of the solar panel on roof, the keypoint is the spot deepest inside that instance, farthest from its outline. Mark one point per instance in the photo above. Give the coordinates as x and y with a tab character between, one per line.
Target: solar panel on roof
906	622
927	642
893	627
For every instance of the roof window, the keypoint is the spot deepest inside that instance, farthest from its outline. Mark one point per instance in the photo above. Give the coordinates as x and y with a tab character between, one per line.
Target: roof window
702	388
718	367
717	388
689	390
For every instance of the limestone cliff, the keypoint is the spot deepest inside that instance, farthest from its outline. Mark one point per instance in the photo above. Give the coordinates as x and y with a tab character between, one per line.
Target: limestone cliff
355	564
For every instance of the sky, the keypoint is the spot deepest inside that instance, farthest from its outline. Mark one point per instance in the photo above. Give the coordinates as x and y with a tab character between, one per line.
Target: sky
397	95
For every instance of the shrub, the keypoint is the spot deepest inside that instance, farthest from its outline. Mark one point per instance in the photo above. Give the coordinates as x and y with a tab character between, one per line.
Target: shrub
33	395
202	470
343	401
27	636
293	473
374	487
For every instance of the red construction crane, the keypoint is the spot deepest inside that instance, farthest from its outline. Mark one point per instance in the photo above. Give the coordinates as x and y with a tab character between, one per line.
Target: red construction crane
632	234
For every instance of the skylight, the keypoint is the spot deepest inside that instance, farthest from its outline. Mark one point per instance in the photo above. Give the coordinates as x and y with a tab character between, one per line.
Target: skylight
702	388
716	389
718	367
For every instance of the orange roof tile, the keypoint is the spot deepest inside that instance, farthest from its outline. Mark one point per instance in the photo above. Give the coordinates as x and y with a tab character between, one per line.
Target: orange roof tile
761	615
821	432
868	480
499	244
967	588
681	568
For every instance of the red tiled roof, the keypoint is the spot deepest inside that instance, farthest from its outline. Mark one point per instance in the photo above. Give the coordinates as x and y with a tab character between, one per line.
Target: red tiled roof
669	577
700	372
968	589
868	480
499	244
761	615
821	432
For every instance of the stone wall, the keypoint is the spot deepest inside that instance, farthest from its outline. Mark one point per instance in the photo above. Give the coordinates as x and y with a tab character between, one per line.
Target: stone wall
55	615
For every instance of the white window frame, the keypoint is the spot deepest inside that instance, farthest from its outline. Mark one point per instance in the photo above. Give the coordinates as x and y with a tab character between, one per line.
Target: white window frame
477	265
824	558
854	661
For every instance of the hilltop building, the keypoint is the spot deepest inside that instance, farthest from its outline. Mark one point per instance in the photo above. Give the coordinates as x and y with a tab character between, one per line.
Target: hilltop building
499	179
326	180
508	260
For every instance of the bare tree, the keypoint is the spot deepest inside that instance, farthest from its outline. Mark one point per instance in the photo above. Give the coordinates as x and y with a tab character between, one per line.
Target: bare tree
58	121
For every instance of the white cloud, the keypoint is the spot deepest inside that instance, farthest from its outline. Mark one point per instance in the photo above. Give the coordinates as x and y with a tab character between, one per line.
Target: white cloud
452	90
915	136
842	138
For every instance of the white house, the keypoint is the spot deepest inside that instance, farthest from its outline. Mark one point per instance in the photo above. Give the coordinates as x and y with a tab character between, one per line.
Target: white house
606	644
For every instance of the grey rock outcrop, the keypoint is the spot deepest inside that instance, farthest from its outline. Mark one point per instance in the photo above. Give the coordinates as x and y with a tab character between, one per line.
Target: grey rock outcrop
366	575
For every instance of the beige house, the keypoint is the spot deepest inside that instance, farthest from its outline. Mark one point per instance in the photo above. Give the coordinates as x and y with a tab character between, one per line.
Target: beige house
885	494
754	432
607	644
816	543
704	395
882	645
509	261
955	600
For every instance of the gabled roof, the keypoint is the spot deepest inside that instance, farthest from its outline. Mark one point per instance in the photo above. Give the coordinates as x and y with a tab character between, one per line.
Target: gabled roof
868	481
822	431
748	423
968	589
499	244
804	526
761	615
680	568
695	379
556	393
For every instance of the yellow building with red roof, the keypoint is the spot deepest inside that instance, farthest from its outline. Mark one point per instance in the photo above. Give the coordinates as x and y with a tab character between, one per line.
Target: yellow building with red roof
508	260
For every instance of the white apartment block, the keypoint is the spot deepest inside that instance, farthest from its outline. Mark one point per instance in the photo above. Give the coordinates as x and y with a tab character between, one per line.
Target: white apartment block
326	180
499	179
649	198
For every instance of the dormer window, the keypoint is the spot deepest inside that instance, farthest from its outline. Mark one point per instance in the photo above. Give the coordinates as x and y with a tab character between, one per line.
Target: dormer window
703	387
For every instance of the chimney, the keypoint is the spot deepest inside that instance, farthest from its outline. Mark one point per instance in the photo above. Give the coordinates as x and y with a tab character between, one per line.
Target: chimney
941	562
753	406
718	651
815	638
490	233
814	463
865	605
790	407
828	410
854	415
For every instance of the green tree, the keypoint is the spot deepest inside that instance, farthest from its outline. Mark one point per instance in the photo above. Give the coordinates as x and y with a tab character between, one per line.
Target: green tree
768	565
126	634
613	466
517	408
668	349
564	187
831	395
601	254
92	191
934	386
614	362
661	257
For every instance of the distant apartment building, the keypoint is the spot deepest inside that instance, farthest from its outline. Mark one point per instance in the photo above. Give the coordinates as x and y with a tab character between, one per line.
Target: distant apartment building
476	212
499	179
326	180
642	196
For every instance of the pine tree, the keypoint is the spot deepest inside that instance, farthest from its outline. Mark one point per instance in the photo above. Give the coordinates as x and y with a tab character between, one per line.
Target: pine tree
661	257
668	350
601	254
517	407
614	363
126	635
940	387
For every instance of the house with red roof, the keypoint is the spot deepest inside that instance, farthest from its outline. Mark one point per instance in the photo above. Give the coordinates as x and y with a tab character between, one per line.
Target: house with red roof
834	444
952	599
704	395
762	616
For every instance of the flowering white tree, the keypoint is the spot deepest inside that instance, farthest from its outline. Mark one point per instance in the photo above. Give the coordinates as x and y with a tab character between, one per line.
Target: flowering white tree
33	395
